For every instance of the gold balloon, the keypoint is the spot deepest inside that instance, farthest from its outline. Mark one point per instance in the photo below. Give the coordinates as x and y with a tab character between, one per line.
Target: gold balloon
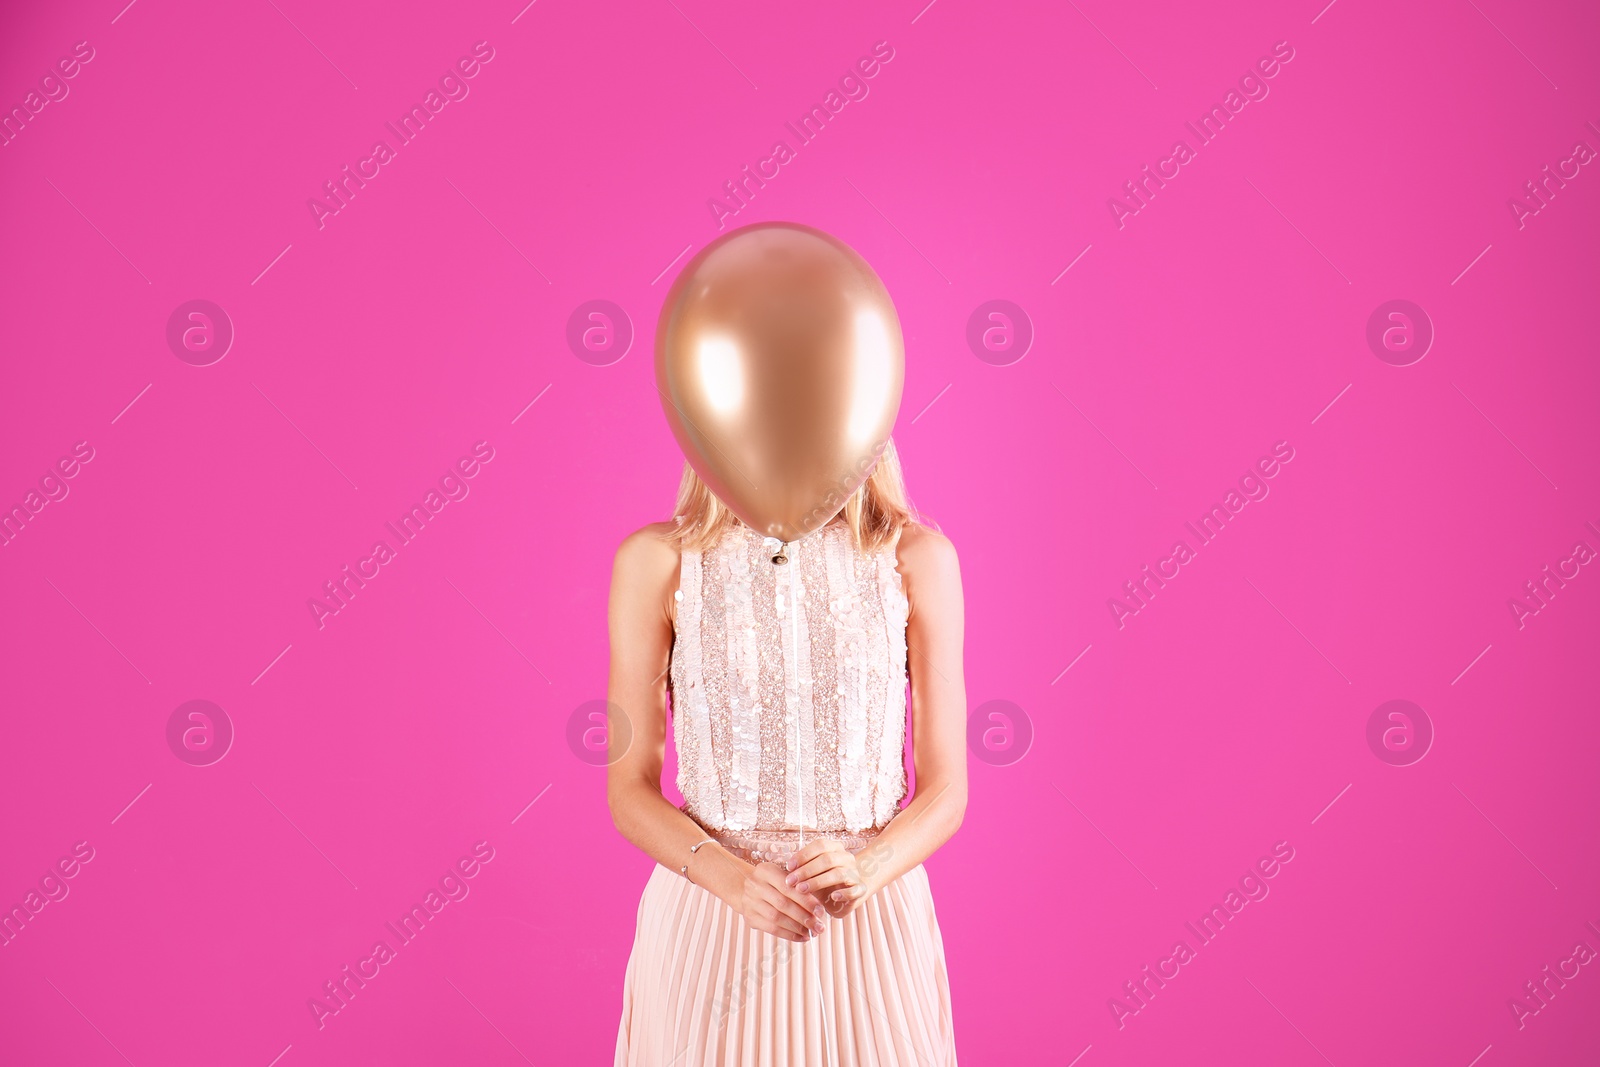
780	364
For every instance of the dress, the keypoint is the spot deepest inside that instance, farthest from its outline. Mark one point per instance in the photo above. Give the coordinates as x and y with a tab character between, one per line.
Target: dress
786	721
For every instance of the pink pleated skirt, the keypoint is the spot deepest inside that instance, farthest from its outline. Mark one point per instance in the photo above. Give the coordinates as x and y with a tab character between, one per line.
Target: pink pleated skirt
703	988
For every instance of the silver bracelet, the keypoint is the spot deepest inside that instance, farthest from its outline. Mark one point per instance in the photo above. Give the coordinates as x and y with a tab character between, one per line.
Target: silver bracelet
684	870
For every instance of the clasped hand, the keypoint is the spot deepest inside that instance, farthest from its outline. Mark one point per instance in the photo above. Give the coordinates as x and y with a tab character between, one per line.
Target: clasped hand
828	870
793	900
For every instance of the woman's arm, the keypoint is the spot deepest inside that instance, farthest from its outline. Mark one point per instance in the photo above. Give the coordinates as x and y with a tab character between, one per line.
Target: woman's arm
642	583
934	634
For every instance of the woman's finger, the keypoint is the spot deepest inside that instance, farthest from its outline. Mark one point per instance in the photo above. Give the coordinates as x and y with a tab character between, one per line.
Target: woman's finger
830	879
792	909
809	899
774	876
802	855
779	924
818	847
814	867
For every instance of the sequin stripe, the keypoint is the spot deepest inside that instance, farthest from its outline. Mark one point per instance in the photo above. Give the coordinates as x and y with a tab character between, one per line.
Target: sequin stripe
714	672
697	775
744	708
784	590
678	695
799	692
891	776
870	684
822	632
849	644
776	729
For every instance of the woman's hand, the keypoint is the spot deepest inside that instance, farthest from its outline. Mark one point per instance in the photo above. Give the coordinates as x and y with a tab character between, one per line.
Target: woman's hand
825	868
770	904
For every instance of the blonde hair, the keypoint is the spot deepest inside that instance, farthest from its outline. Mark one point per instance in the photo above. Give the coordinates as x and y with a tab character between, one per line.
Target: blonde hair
876	512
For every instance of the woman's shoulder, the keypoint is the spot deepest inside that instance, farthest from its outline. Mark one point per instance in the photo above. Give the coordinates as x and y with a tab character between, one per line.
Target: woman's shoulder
923	548
649	550
930	571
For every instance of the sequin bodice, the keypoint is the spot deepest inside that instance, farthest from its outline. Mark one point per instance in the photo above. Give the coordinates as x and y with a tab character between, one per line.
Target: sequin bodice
789	684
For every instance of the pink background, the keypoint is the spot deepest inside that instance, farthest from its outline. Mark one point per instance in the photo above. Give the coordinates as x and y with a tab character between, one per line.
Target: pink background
1227	315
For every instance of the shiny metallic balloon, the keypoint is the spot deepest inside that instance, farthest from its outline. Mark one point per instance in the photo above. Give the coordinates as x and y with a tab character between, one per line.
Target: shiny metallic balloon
780	364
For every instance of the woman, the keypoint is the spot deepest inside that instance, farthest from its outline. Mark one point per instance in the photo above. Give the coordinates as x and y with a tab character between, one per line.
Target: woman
789	920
